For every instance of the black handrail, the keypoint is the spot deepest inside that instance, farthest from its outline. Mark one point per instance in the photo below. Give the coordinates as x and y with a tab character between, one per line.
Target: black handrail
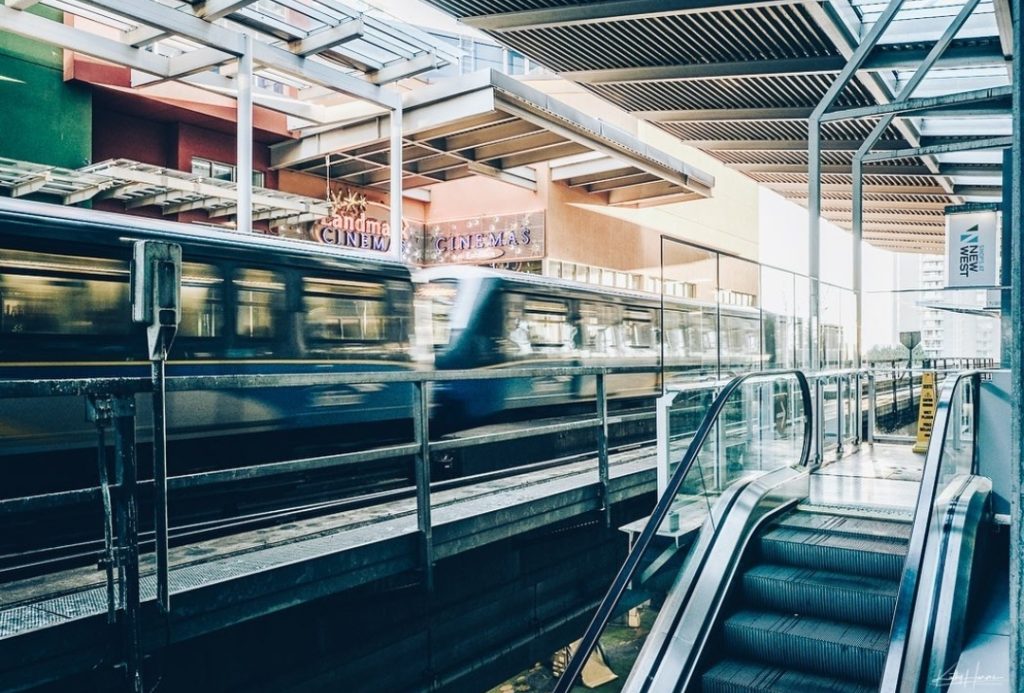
926	496
628	569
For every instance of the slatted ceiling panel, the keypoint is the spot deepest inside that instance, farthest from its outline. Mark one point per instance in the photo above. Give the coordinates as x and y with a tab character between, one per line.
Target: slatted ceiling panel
772	91
471	8
773	130
745	34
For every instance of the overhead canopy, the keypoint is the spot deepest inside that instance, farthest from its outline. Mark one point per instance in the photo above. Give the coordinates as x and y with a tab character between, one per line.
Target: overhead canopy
490	124
304	50
144	185
740	79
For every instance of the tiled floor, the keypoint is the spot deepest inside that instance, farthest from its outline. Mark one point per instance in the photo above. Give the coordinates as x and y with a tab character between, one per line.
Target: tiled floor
879	477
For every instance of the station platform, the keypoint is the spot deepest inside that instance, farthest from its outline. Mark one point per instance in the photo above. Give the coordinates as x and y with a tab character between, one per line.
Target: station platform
49	623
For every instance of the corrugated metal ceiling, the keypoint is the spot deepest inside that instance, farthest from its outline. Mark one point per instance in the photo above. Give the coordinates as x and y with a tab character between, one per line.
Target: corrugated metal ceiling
759	55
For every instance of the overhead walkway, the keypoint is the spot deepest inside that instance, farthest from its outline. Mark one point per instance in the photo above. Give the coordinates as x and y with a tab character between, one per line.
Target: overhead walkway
853	577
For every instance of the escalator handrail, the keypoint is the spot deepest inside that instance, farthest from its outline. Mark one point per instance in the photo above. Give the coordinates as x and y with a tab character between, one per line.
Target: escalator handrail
926	496
629	567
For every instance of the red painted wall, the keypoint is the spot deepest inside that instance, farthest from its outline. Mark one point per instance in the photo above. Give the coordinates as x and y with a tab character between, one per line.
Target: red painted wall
168	144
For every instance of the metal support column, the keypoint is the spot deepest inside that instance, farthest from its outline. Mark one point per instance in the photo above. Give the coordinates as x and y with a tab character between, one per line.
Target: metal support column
421	435
814	182
1005	255
1016	227
243	161
163	593
395	189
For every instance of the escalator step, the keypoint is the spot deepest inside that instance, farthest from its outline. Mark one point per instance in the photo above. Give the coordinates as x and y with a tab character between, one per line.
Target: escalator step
856	555
809	644
732	676
819	593
846	524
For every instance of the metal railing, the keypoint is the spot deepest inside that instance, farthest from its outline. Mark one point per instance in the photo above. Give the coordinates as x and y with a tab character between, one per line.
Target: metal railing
629	569
111	406
953	450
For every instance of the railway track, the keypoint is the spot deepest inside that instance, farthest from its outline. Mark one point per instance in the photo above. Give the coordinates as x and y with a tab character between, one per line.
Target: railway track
69	535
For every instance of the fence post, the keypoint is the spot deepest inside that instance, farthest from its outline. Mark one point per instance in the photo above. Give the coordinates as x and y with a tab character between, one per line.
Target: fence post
819	422
602	448
126	482
858	413
421	435
664	431
840	406
872	405
99	410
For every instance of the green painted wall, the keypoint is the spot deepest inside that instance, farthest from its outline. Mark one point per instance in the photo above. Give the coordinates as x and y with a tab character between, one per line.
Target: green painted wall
42	118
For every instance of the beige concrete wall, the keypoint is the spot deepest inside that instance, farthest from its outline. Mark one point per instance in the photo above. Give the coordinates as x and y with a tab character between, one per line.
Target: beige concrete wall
727	221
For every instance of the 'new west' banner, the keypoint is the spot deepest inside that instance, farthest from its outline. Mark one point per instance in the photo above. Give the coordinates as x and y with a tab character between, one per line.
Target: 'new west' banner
971	249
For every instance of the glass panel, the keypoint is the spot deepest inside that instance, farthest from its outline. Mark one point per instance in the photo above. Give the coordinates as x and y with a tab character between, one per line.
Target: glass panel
689	281
222	171
761	428
778	318
201	167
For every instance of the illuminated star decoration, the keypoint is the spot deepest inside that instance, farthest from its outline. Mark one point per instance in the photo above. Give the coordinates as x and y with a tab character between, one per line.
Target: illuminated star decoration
348	203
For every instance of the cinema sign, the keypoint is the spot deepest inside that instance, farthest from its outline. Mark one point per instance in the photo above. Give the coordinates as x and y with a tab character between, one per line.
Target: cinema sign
485	239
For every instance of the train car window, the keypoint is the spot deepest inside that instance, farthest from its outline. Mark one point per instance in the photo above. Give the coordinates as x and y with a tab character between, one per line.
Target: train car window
202	301
546	324
260	299
345	311
435	302
44	293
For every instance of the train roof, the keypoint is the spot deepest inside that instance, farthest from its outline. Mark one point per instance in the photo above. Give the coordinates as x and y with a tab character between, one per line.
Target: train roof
533	280
22	212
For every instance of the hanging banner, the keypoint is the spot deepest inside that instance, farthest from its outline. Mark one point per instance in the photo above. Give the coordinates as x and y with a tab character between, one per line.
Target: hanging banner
971	249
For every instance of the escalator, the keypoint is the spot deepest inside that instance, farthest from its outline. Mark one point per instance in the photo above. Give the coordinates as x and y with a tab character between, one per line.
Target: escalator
777	594
812	608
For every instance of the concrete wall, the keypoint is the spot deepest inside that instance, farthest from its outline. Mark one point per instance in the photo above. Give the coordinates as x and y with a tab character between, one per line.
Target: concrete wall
44	120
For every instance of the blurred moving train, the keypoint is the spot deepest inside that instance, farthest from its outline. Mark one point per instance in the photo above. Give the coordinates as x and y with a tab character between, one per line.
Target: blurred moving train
256	304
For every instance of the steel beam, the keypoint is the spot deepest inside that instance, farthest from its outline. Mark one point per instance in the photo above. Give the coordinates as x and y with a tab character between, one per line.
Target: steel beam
328	38
395	199
212	10
403	69
931	103
243	137
186	25
38	28
945	147
595	12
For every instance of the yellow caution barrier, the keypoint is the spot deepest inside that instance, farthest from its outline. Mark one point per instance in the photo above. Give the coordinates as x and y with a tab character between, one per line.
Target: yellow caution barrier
925	412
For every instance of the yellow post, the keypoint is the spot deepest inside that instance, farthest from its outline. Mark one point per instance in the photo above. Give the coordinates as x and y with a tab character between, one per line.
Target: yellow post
925	412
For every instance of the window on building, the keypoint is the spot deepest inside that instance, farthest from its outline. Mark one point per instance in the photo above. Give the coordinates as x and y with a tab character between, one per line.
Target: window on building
220	171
